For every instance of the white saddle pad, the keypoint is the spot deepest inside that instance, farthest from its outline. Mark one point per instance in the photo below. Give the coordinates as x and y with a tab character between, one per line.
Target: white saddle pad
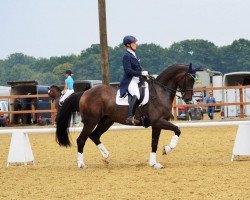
124	101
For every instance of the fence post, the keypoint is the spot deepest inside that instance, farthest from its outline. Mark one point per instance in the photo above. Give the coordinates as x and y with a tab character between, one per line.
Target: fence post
241	101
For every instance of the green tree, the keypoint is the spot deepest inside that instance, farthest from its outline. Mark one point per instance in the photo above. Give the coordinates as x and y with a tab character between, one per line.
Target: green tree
198	52
59	72
235	57
153	58
20	72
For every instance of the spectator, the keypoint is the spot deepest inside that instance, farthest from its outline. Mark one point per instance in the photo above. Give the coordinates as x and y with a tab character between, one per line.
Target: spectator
18	118
210	109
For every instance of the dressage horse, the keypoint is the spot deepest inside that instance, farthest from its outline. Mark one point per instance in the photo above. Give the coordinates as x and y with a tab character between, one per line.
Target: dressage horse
99	111
54	93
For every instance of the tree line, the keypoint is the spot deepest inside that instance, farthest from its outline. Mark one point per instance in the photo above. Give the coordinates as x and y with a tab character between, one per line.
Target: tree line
154	58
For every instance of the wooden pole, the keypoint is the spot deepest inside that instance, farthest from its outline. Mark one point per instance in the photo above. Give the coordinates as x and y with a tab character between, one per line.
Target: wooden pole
103	42
241	101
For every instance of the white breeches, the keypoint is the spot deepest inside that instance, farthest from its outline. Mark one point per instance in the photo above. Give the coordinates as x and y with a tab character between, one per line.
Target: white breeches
133	88
66	95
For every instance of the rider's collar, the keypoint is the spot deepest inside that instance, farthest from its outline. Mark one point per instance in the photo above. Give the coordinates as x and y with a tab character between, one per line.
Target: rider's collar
131	51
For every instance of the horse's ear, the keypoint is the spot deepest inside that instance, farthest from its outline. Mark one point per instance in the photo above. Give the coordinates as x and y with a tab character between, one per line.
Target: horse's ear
190	69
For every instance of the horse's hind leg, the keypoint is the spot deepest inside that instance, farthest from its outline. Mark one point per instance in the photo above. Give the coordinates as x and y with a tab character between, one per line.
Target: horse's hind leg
101	128
81	140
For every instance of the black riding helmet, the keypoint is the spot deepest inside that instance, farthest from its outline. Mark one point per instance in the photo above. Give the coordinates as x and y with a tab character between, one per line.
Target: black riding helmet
69	72
129	39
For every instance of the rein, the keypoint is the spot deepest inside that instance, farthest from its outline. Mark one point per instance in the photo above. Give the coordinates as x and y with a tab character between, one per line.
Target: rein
182	91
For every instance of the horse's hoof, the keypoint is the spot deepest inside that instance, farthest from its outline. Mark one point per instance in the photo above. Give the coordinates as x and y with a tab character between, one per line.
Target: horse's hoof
157	166
82	166
166	150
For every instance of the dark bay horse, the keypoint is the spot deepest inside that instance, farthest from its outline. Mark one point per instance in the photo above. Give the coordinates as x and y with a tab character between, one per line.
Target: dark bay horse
99	111
54	93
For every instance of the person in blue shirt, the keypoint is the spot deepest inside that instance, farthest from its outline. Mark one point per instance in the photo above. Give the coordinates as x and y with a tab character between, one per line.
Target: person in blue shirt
68	87
210	109
132	72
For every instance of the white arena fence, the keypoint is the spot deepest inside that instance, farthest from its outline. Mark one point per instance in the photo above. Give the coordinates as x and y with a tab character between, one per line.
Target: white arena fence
41	130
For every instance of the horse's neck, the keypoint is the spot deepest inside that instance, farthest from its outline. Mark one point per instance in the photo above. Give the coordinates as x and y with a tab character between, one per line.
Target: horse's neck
167	83
170	75
57	93
165	91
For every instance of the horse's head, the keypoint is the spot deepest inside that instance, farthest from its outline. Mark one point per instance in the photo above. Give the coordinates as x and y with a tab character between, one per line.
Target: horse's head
54	92
186	83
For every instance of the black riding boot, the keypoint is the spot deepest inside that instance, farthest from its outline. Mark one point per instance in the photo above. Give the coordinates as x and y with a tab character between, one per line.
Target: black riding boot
131	111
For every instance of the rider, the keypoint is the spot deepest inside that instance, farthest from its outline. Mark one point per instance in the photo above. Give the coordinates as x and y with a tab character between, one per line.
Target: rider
132	72
68	86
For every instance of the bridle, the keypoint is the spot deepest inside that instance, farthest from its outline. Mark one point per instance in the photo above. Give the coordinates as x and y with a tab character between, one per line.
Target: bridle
184	90
183	86
52	98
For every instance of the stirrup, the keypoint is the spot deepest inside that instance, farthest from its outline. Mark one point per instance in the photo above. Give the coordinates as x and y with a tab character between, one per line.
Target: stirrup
132	120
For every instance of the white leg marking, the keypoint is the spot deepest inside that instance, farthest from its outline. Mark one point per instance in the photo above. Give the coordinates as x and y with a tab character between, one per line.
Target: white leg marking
152	161
103	151
80	162
167	149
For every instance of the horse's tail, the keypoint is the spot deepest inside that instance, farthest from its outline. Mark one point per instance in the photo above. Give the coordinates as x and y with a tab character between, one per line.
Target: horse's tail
63	117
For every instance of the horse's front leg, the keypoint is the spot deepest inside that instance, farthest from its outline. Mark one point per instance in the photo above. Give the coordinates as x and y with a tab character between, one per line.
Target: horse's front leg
175	138
155	139
156	130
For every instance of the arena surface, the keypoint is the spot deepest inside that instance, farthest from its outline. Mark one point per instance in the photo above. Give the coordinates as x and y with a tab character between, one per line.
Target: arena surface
199	168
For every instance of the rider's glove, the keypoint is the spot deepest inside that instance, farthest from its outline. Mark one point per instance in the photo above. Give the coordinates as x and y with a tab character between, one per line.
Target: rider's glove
63	92
144	73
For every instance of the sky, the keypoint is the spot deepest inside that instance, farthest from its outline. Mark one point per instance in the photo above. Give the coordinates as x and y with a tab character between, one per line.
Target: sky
45	28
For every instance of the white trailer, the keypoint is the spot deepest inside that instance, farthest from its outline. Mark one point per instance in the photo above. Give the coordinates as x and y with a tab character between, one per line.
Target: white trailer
4	91
208	78
217	82
232	95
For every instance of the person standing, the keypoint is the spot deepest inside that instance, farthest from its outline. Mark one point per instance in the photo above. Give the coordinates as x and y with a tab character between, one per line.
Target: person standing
131	78
210	109
68	87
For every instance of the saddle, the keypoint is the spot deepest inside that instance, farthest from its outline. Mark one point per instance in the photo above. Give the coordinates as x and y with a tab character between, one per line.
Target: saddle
144	97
